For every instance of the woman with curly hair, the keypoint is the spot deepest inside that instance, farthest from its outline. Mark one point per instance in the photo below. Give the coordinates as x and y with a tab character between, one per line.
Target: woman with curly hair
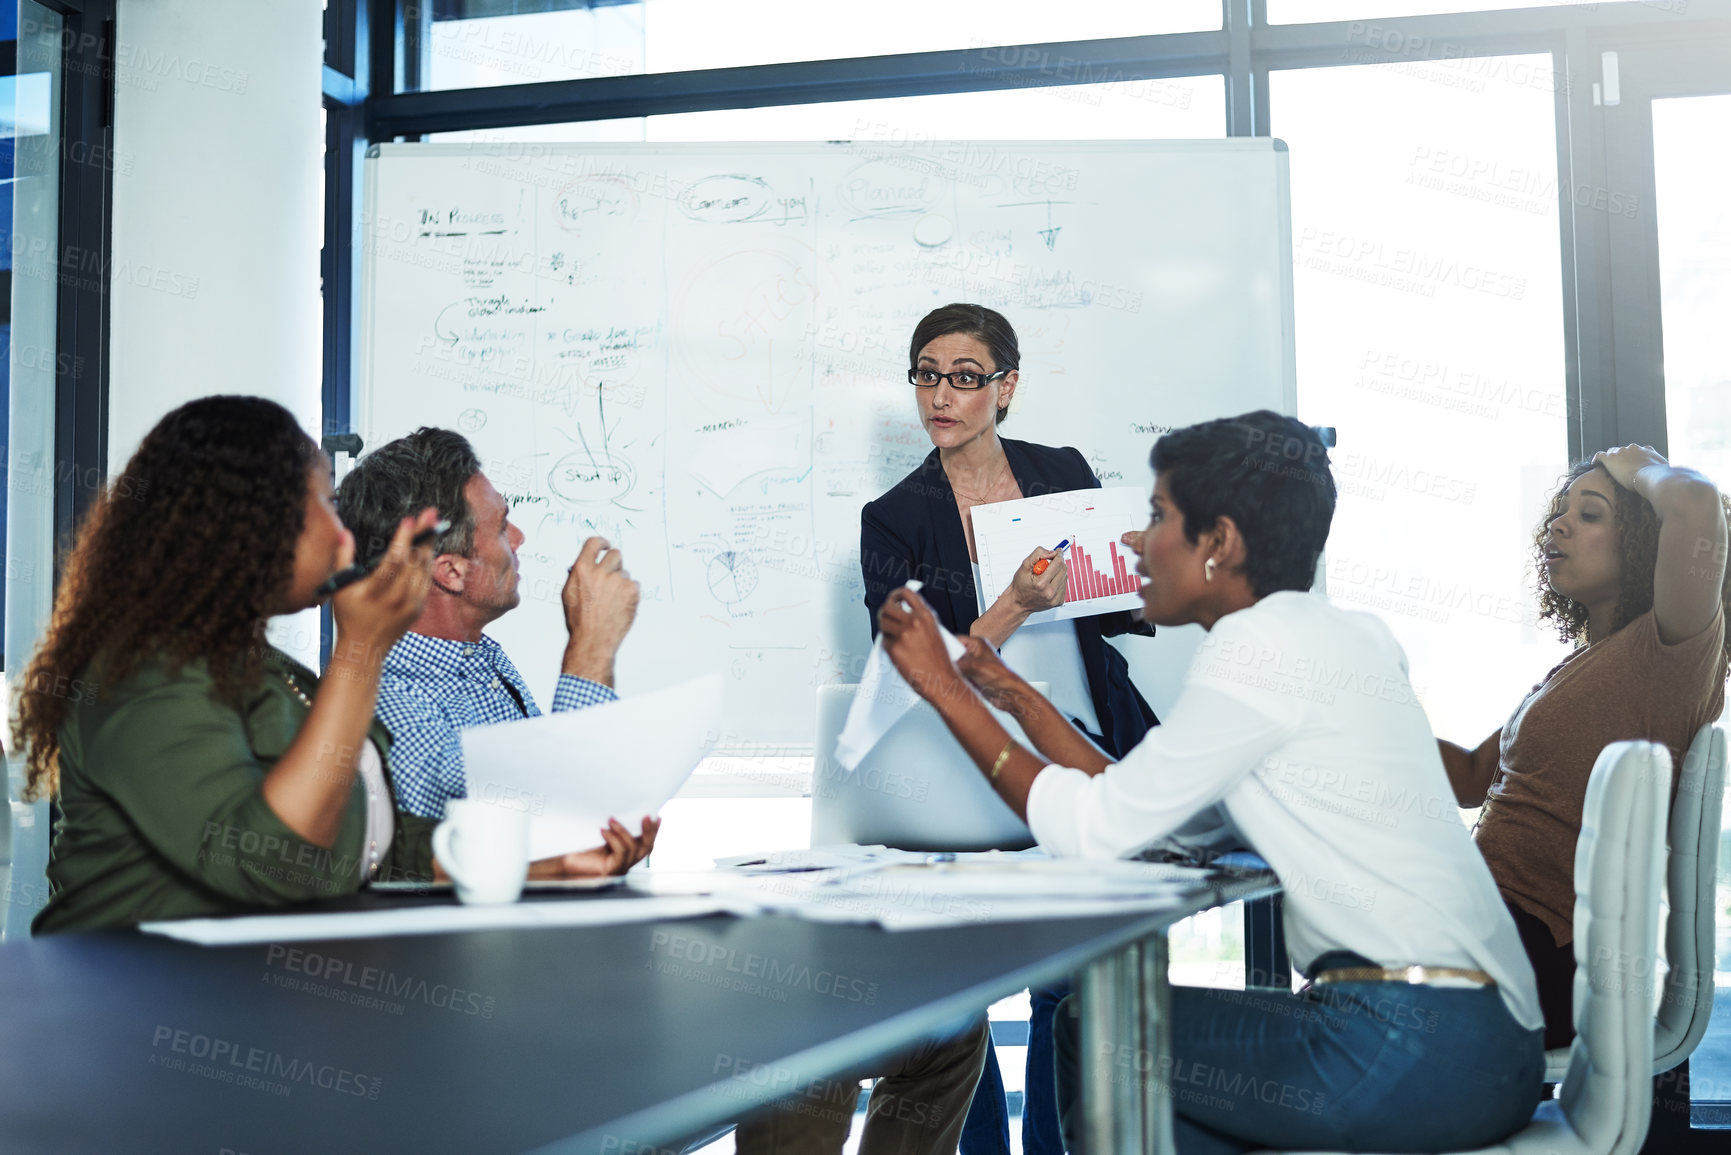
1632	551
199	770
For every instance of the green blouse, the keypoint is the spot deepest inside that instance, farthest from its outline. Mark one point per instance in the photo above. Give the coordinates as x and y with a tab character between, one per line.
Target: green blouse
162	810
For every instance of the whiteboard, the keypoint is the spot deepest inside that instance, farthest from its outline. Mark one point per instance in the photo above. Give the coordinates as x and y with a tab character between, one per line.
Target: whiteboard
699	351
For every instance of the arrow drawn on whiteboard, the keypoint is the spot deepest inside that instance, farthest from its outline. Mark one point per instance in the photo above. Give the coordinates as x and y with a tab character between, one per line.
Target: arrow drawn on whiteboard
586	477
1051	231
439	331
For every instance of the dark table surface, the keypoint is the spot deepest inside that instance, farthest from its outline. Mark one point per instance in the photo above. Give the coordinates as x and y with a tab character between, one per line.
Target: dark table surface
599	1039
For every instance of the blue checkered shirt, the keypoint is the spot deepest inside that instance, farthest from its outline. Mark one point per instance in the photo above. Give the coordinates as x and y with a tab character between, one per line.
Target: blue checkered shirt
431	688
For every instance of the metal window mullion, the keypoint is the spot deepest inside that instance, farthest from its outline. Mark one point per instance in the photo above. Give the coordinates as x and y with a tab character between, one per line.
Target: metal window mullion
1637	342
801	82
85	227
1580	158
1240	79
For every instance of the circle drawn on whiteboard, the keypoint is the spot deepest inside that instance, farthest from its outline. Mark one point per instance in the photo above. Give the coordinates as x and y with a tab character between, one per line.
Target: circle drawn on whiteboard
933	230
731	576
470	420
581	479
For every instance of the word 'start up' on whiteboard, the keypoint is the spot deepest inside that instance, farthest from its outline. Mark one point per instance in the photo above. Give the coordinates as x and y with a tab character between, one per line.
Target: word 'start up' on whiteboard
1103	575
699	352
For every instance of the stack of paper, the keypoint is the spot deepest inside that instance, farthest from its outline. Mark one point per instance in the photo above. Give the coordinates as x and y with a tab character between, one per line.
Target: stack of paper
987	887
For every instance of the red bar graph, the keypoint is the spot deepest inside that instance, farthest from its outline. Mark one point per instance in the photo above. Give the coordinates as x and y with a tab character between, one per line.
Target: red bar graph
1087	582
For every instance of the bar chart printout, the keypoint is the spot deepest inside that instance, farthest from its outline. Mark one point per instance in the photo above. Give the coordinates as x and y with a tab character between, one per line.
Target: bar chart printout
1103	576
1088	582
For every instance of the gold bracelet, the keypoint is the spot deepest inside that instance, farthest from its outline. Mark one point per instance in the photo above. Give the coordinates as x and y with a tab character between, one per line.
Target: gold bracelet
1003	756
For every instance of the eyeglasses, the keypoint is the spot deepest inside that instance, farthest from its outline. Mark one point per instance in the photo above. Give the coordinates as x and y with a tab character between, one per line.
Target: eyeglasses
961	379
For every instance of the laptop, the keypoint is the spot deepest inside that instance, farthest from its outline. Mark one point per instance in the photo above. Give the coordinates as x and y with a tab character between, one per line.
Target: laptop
916	790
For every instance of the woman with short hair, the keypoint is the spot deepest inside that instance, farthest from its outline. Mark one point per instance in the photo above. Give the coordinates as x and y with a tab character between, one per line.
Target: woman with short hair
1298	721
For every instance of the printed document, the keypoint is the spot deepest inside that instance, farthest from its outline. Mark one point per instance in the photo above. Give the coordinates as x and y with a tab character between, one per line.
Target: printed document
572	771
1103	575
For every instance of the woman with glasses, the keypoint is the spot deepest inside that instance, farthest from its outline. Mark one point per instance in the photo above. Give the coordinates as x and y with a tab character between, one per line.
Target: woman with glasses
963	366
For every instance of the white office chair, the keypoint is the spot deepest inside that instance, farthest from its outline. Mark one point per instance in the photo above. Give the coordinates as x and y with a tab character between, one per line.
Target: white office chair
1607	1096
1691	876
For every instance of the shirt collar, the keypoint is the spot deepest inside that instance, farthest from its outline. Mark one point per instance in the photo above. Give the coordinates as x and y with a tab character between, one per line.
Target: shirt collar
420	654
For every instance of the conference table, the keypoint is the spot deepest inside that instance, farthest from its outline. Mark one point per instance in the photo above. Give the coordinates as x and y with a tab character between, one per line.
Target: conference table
621	1039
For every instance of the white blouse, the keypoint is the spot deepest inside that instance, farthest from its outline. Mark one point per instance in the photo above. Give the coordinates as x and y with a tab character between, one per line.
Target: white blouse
1297	719
381	813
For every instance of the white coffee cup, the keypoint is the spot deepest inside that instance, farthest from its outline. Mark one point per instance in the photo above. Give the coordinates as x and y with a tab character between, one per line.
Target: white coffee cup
485	850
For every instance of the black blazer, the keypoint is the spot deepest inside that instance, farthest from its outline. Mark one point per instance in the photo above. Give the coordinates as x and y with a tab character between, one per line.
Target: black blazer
915	531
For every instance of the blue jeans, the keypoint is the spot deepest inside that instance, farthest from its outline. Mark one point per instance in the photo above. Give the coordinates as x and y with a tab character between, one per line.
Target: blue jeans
987	1129
1373	1066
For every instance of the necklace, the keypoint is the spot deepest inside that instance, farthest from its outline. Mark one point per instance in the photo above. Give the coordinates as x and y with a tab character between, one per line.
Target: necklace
372	834
997	483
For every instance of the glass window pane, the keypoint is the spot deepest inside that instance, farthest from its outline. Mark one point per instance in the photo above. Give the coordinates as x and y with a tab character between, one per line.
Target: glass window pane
34	152
477	43
1306	11
1185	107
1430	333
1691	170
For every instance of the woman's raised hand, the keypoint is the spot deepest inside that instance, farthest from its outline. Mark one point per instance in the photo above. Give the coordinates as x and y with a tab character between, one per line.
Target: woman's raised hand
915	643
1623	464
374	612
1034	592
1000	685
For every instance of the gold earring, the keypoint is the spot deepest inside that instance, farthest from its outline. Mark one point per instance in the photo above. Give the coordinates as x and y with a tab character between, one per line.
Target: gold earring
1208	570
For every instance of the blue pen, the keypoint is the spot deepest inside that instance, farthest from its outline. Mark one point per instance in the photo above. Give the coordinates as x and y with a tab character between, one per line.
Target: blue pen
1040	566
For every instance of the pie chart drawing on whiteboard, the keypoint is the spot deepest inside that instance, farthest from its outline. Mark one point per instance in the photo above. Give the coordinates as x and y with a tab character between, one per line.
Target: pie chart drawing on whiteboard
732	576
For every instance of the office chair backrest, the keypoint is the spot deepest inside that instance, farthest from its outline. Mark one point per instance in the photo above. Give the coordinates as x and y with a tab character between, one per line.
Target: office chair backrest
1607	1094
1692	874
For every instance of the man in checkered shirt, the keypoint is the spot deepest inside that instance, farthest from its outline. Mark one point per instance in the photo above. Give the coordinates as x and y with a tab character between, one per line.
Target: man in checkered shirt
445	674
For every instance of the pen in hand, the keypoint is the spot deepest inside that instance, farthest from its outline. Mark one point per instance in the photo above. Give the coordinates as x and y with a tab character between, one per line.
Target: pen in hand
1040	566
344	578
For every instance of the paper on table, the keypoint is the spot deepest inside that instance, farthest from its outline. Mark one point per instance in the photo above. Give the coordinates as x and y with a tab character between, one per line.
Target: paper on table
1103	576
986	887
817	858
574	770
879	702
437	919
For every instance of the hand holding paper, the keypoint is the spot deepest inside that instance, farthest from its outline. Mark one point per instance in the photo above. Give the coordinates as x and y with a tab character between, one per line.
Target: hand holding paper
1100	577
574	771
923	652
883	696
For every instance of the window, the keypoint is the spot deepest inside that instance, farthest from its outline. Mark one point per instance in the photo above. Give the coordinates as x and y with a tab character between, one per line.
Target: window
482	43
1181	107
1429	318
1695	291
1295	11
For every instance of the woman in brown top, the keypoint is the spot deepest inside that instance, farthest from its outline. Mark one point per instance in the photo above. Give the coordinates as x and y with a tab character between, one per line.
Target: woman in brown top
1633	555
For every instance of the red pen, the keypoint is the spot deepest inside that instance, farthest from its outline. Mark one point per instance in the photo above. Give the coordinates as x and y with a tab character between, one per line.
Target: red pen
1040	566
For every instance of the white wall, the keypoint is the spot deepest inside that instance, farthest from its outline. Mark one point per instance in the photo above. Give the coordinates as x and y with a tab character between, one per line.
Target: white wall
217	216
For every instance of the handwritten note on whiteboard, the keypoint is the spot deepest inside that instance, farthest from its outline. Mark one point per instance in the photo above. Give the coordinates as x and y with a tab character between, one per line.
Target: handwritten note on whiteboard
1103	576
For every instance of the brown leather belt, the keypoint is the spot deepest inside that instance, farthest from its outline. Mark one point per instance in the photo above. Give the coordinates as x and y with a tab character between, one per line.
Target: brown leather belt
1416	975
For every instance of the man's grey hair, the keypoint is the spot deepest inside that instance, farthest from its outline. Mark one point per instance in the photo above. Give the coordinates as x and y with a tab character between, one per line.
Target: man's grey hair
402	477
